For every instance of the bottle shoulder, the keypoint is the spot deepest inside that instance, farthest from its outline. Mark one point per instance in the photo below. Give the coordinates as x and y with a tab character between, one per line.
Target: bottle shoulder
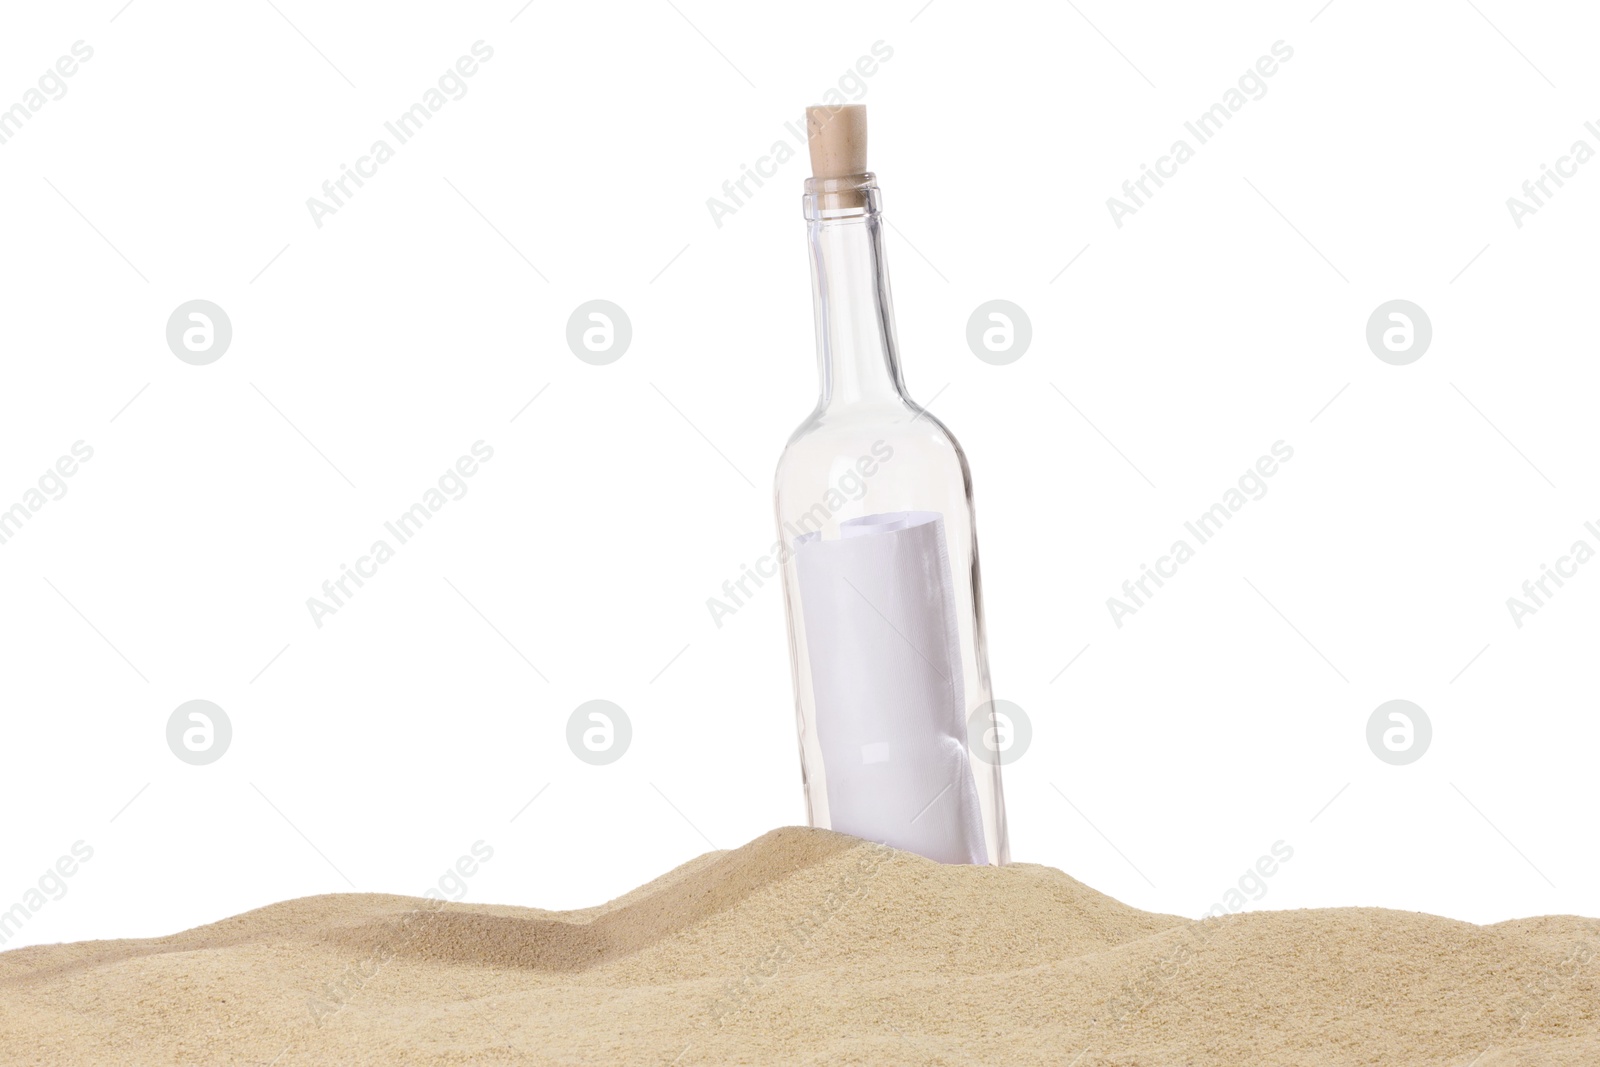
831	438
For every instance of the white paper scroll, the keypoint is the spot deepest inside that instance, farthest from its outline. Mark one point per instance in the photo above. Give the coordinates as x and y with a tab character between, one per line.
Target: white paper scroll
880	626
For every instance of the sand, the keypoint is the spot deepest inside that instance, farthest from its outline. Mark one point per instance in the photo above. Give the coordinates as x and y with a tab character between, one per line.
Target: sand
806	947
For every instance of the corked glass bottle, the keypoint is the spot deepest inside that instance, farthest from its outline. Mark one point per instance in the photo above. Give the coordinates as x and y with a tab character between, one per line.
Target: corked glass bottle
880	558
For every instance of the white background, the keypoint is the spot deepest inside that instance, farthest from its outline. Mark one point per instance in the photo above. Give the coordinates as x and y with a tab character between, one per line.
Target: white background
1224	316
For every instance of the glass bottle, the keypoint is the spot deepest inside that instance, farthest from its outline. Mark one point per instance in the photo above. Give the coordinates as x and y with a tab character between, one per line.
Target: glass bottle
880	569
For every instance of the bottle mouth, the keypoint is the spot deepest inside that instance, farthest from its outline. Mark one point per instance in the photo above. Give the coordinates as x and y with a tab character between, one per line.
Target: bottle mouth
853	196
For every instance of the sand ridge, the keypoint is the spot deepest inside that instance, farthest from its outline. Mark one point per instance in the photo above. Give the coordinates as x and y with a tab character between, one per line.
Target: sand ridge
807	947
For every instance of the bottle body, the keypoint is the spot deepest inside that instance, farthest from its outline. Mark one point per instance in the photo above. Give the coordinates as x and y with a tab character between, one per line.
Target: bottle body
881	579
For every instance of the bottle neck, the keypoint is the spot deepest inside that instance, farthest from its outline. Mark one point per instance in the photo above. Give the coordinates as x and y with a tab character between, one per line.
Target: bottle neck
857	356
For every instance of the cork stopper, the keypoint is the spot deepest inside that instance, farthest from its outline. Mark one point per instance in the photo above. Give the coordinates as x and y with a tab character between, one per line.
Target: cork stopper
838	138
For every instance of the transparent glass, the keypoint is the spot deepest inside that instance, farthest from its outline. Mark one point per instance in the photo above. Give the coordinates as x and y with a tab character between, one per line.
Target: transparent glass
867	454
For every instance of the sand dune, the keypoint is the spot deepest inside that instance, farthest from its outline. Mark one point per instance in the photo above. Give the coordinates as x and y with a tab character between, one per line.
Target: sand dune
806	947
